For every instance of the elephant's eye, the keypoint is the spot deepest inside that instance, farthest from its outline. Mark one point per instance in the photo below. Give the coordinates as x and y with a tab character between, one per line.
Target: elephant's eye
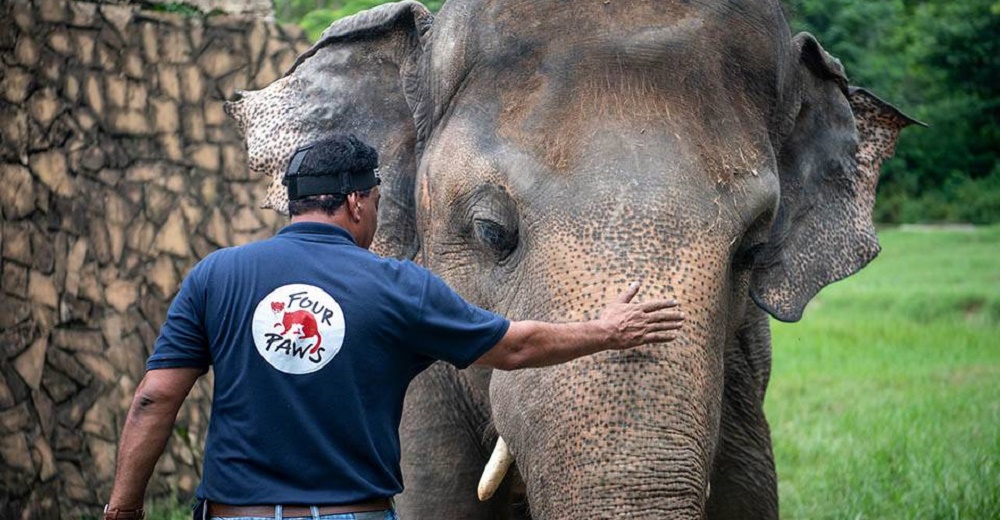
746	256
753	245
491	222
496	236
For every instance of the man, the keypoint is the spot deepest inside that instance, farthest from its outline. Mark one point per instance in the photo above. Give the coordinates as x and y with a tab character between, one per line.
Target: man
314	340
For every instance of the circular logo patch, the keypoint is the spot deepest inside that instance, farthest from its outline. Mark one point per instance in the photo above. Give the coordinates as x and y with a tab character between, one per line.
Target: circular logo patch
298	328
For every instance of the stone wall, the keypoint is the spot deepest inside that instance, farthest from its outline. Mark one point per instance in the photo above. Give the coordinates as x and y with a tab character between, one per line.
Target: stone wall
118	170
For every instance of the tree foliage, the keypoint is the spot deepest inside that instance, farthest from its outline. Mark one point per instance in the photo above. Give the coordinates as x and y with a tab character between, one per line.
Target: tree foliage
937	60
314	16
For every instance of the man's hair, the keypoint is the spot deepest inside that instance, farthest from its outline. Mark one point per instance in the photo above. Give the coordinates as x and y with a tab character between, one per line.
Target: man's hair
328	204
330	156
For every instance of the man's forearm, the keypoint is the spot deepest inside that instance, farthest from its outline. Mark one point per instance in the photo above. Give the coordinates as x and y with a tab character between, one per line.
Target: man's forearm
621	325
147	430
143	440
530	344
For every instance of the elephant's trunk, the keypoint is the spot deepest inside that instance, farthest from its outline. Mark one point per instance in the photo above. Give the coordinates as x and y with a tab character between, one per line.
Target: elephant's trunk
624	433
642	449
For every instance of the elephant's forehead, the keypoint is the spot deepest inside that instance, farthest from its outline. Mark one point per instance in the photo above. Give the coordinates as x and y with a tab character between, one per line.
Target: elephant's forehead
522	17
553	93
492	32
588	164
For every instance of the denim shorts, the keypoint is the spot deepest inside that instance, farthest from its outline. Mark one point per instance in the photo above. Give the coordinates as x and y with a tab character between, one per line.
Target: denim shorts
389	514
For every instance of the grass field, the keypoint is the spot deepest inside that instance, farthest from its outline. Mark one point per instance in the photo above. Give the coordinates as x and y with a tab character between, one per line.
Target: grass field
885	399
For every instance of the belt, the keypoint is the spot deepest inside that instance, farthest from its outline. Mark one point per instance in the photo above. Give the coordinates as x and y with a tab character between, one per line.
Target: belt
228	511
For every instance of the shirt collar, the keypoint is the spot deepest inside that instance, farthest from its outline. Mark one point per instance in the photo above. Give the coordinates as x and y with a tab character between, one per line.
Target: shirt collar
317	229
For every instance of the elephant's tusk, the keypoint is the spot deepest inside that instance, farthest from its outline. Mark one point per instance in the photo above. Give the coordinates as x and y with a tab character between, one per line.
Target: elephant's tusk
495	470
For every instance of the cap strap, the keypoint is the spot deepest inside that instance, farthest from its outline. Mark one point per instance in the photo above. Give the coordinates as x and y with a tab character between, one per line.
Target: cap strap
342	183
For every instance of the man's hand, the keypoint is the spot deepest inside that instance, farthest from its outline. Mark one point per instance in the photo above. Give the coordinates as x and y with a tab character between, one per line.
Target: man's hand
634	324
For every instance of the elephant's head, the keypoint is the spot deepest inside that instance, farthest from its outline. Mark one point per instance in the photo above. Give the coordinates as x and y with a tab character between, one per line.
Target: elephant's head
539	157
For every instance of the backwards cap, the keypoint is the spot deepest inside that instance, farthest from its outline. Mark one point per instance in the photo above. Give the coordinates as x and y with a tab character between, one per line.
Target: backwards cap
339	164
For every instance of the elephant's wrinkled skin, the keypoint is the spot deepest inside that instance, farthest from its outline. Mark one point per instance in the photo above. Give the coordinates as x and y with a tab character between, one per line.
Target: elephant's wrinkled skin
539	155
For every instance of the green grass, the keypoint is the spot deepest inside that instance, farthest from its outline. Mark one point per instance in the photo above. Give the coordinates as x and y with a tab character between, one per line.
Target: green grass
168	508
885	399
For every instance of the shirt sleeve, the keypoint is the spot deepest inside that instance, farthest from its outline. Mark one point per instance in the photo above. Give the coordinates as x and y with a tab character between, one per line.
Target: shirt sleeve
183	342
451	329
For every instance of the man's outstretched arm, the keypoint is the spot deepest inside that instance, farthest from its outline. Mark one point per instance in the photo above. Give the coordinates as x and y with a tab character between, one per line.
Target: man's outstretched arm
147	429
620	326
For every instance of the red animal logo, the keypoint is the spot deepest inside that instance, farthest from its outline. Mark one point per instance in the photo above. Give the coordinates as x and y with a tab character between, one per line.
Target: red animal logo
302	324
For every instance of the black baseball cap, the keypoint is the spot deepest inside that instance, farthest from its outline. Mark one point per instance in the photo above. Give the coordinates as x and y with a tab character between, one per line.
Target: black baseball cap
339	164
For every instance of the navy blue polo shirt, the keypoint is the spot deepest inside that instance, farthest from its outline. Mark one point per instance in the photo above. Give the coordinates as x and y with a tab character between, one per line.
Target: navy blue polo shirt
314	341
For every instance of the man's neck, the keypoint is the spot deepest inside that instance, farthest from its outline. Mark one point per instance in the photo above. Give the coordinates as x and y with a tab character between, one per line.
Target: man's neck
322	218
339	219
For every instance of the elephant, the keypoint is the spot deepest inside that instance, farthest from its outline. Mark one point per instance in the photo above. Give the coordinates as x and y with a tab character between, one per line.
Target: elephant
538	155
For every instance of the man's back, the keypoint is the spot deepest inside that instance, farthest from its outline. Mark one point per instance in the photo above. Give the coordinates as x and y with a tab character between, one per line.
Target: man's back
314	341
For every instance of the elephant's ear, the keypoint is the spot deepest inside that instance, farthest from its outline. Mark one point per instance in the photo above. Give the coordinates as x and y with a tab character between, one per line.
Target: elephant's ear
362	77
829	167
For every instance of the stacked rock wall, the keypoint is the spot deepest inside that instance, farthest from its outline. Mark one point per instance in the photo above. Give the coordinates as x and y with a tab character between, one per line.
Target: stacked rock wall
118	171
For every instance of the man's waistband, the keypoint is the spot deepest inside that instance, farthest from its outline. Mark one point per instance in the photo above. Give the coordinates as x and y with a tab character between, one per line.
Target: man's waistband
228	511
